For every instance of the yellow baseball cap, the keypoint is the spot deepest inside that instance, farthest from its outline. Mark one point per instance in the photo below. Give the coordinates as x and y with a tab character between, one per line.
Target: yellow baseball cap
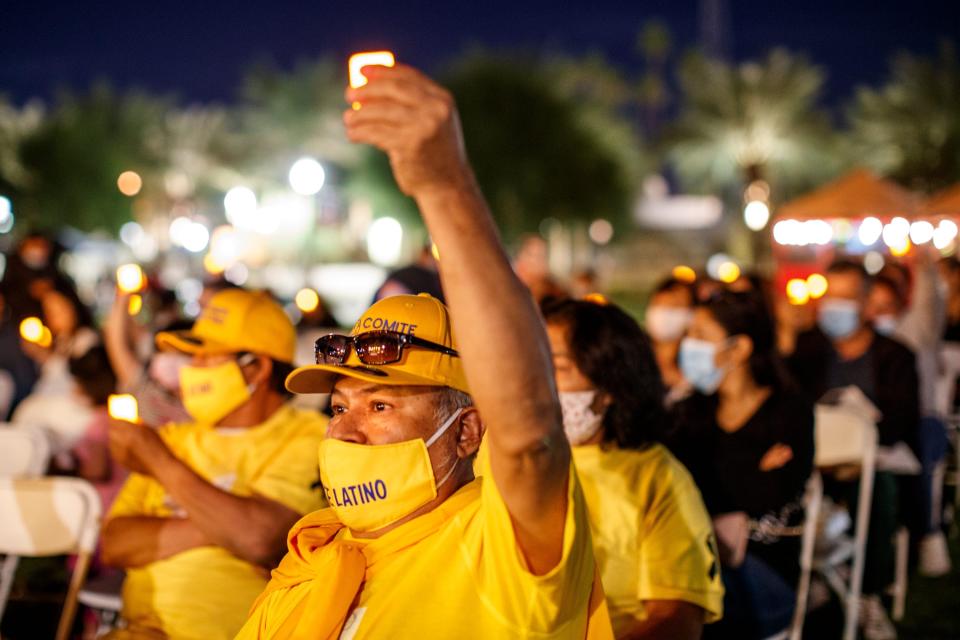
422	316
236	320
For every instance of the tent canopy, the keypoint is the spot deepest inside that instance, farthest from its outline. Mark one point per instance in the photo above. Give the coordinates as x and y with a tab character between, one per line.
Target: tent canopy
947	202
857	194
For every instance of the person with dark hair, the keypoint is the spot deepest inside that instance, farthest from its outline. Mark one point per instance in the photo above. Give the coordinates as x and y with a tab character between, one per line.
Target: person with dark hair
747	438
205	511
846	351
651	531
419	277
94	381
667	317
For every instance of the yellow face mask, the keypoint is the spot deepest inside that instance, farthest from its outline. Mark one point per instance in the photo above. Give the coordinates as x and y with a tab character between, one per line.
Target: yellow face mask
372	486
210	394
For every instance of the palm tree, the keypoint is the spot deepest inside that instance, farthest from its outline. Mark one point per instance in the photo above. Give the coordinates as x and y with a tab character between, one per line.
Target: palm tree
909	129
754	120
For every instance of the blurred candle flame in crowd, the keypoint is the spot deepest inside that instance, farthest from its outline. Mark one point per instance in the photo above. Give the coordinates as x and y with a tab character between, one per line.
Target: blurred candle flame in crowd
729	272
307	300
365	59
130	278
816	285
798	293
123	406
596	298
135	304
683	273
33	330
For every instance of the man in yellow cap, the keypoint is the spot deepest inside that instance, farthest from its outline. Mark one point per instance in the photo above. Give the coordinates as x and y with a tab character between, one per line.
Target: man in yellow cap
412	545
206	510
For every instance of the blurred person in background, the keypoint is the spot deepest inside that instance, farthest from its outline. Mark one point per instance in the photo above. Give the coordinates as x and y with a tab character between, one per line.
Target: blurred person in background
910	309
20	372
32	270
52	404
155	379
949	270
747	438
91	460
584	282
532	265
652	535
667	317
204	514
419	277
844	350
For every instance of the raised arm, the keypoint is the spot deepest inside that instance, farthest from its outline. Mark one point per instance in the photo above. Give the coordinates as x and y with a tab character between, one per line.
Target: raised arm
500	336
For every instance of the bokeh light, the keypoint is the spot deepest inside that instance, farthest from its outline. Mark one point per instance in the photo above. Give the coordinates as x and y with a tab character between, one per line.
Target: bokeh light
307	300
798	293
307	176
756	215
683	273
129	183
130	278
123	406
385	241
601	231
816	285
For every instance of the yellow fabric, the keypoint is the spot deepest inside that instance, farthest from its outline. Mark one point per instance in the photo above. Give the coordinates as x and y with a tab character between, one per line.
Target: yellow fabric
206	592
237	320
651	533
210	394
422	316
455	572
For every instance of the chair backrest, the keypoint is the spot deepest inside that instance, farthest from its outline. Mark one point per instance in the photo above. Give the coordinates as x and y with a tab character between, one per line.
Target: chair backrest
48	516
24	451
842	436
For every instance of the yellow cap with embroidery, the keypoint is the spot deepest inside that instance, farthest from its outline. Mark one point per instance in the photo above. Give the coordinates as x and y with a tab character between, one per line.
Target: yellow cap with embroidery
236	320
421	316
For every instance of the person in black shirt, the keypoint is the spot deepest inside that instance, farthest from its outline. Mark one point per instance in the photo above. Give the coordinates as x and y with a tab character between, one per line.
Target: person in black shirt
845	350
747	438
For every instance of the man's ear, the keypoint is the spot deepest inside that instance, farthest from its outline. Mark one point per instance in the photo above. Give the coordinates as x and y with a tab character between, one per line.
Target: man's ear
259	376
471	433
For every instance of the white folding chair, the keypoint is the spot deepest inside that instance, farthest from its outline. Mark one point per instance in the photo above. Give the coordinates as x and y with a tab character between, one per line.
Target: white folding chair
24	451
44	517
812	498
843	437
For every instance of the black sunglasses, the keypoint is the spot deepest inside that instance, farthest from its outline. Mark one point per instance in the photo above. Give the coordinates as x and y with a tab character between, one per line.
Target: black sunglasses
372	347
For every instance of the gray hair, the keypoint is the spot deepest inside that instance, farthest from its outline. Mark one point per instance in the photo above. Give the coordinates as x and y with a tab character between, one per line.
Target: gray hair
448	401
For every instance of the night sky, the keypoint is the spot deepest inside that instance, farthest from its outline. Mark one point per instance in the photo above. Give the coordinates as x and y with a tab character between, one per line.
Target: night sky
198	50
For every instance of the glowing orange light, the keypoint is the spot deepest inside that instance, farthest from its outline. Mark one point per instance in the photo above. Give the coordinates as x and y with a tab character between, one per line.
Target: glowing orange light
684	273
901	249
816	286
797	292
135	304
129	183
31	329
367	59
123	406
435	250
130	278
596	298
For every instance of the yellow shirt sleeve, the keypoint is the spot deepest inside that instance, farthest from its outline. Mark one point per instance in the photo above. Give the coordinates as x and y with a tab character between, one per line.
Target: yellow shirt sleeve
292	471
132	499
540	604
677	558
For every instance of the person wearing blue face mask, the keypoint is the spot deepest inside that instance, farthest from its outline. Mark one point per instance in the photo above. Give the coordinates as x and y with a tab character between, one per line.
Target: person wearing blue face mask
846	350
747	438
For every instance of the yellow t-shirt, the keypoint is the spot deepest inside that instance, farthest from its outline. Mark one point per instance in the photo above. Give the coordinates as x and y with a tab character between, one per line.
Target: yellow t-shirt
206	592
466	580
651	533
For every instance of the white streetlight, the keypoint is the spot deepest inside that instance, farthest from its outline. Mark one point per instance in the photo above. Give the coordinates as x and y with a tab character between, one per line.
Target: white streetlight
385	241
307	176
756	215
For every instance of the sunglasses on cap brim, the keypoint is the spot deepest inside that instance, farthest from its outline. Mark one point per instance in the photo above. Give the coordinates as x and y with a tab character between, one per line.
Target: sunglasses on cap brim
372	348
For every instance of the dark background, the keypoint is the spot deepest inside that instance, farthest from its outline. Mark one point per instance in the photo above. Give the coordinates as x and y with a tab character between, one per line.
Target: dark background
199	50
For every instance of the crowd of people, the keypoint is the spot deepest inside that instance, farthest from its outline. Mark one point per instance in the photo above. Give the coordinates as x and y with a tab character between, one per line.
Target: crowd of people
500	457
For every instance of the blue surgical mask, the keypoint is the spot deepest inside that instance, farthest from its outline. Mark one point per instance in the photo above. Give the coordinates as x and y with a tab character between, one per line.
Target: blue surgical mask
886	324
698	364
839	318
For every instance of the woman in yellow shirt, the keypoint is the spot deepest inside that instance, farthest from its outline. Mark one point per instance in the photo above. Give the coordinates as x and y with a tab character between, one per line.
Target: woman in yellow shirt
651	533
